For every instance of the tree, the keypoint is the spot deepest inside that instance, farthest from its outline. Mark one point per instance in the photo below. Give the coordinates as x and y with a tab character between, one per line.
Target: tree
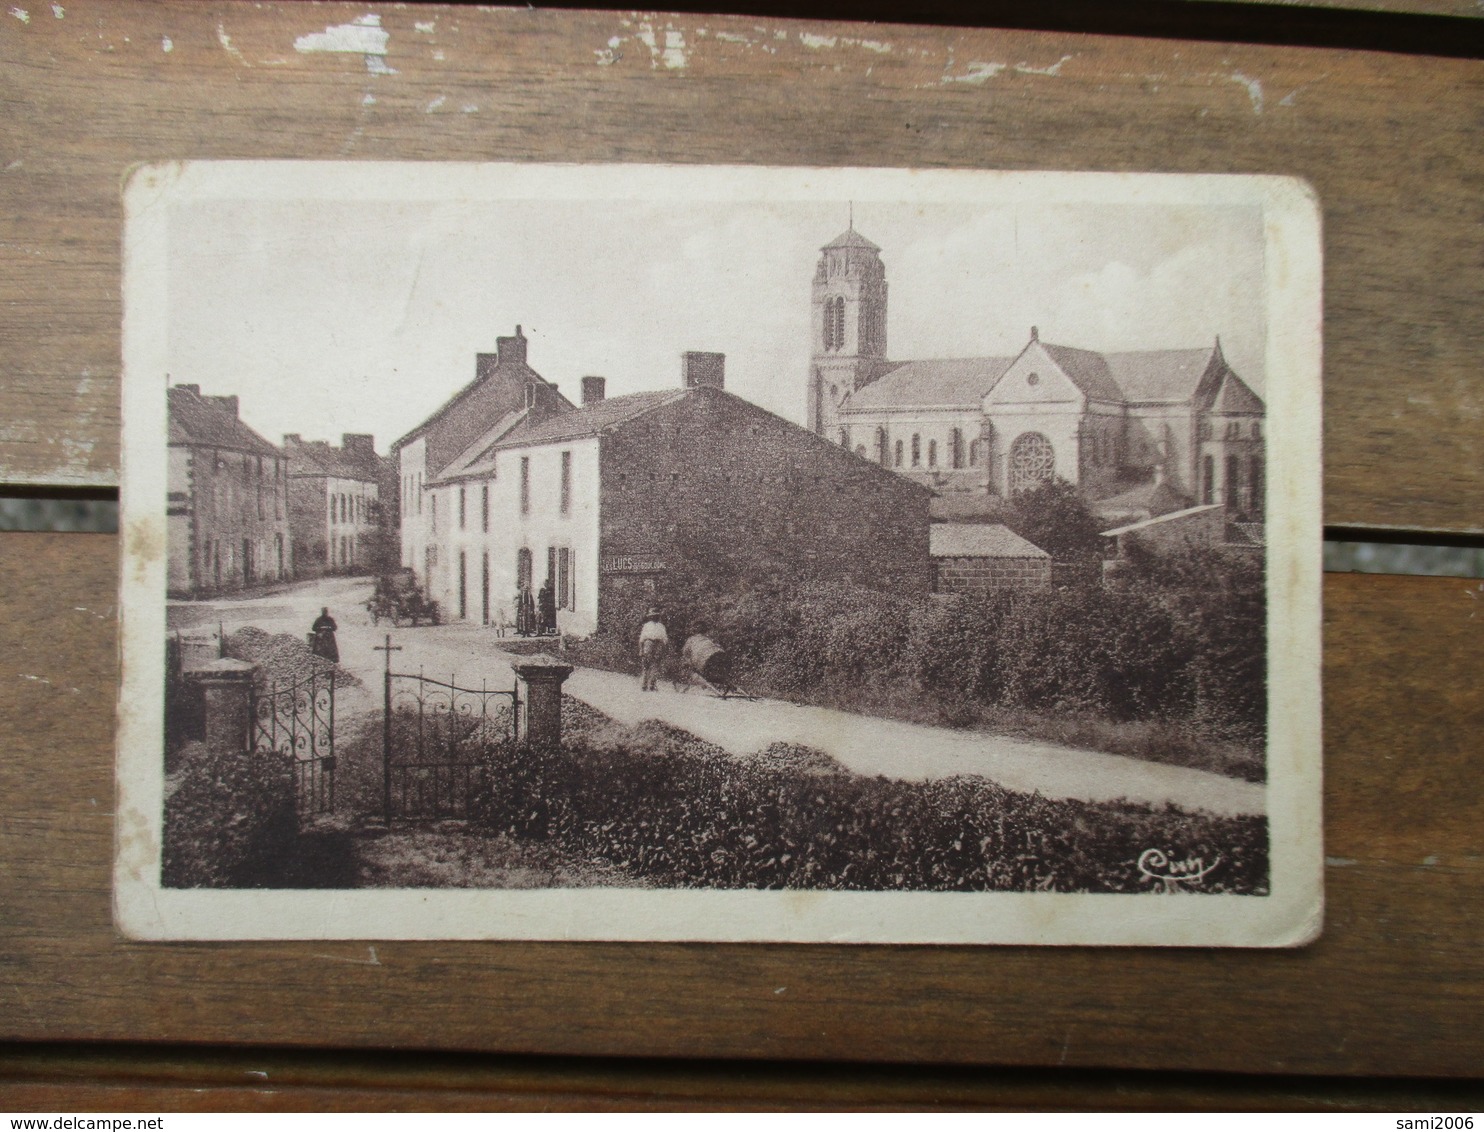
1053	516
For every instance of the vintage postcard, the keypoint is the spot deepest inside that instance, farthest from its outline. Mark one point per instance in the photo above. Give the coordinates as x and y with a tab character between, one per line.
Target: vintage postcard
703	553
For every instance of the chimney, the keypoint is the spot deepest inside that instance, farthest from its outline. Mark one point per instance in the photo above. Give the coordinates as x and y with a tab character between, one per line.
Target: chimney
292	440
194	390
358	443
594	389
227	403
510	350
702	368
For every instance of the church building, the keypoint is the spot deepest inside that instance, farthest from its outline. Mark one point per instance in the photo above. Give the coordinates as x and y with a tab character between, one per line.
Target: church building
1151	429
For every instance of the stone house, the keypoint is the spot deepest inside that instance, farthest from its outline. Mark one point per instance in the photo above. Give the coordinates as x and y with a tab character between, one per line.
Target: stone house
335	505
621	501
227	505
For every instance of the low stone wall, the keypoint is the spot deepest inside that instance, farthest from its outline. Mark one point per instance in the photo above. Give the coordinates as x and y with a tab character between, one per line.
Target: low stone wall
990	575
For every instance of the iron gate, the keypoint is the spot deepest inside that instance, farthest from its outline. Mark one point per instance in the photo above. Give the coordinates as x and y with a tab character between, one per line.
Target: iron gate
298	719
434	733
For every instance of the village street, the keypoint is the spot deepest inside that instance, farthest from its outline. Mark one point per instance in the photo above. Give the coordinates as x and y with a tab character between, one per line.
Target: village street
866	744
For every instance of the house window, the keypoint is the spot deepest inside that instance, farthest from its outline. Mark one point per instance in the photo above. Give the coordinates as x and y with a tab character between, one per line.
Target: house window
523	568
566	483
525	485
916	450
932	453
433	511
564	578
551	562
484	508
461	508
883	449
1233	483
898	454
1032	462
1208	480
956	448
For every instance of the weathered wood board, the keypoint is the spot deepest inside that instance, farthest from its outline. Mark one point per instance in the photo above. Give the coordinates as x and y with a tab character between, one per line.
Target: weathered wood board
1389	141
1394	987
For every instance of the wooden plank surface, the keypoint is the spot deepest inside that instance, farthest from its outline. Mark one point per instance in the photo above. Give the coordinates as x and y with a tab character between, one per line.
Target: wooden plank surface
1395	987
1389	141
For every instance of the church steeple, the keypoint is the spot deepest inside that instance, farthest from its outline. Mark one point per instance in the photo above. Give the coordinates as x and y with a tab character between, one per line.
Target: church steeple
848	324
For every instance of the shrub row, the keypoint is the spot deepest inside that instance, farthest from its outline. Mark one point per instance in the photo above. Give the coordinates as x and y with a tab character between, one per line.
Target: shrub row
1180	642
671	810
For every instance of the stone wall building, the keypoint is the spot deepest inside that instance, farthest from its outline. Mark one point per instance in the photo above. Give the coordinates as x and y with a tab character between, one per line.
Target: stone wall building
983	558
620	501
335	506
227	507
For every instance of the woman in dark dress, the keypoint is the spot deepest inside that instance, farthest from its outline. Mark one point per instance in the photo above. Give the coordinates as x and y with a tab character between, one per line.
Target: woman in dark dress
546	606
322	636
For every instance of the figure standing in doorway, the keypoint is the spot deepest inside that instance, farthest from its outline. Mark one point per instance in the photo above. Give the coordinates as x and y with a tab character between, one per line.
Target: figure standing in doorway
546	607
525	611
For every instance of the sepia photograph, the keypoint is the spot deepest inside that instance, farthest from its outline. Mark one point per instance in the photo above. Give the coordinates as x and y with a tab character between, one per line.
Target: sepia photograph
707	553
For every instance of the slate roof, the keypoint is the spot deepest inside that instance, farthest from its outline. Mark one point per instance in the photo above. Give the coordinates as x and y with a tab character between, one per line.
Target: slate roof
198	420
319	458
957	383
979	540
1088	370
1160	375
588	420
1236	396
850	238
478	459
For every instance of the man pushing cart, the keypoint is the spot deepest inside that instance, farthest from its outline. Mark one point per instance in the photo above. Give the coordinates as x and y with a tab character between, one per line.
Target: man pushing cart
705	662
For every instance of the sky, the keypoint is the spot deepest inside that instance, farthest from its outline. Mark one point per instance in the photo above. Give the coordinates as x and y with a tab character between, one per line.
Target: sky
329	317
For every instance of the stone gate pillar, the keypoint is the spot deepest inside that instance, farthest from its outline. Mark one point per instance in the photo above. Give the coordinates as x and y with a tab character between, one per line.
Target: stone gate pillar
543	677
226	685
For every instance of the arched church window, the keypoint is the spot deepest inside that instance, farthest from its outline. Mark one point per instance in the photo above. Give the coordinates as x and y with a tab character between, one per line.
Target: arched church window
974	453
1032	462
956	448
882	450
1233	483
839	323
1254	483
932	453
829	324
916	450
899	454
1208	480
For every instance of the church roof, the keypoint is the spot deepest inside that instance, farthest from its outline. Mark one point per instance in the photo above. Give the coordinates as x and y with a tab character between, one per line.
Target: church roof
205	421
1160	375
1089	370
979	540
959	383
850	238
588	420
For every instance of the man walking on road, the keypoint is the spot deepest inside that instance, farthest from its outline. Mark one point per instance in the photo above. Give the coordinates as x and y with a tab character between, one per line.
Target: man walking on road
654	642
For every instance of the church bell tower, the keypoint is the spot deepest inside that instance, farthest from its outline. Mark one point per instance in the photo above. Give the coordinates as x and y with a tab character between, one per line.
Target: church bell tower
849	326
